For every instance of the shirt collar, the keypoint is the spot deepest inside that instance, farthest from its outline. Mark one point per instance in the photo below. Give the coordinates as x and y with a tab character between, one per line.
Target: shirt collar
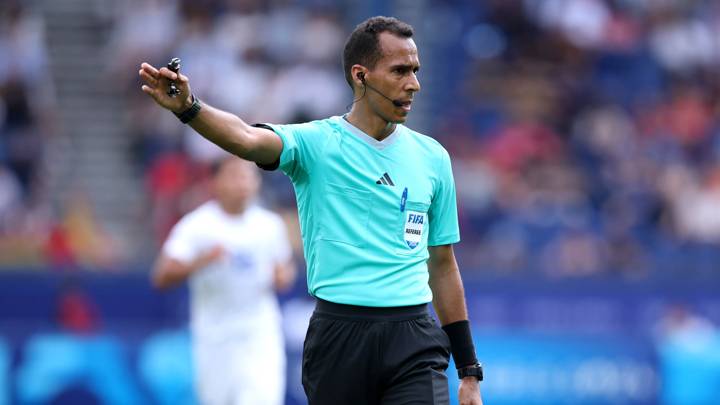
379	145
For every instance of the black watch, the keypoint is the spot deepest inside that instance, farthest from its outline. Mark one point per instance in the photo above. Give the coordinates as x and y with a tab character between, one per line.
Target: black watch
471	371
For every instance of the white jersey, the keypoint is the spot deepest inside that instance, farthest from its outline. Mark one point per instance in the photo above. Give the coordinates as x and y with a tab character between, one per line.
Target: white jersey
233	296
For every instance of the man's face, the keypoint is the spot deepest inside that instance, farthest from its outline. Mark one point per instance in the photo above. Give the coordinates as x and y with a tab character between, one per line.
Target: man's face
394	75
236	183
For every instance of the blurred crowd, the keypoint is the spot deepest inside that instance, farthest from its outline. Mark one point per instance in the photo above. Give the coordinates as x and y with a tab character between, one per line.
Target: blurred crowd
290	73
26	122
35	229
585	133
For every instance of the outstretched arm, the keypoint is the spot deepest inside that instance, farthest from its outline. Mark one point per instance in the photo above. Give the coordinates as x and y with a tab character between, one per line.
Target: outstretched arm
221	128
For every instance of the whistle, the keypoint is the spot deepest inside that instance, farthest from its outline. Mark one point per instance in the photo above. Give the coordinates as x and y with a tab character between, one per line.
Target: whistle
174	66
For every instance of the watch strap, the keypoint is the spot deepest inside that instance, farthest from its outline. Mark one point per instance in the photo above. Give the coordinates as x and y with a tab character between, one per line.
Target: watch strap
188	115
475	370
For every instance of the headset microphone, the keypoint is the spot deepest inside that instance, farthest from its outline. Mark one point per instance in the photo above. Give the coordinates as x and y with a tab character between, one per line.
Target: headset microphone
396	103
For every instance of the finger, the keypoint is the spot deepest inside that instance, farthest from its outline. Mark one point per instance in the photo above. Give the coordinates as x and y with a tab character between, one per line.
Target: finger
182	78
147	89
151	81
152	92
167	73
149	69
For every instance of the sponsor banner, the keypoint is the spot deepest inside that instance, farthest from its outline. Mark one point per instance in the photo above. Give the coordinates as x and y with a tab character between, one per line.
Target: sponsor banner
564	369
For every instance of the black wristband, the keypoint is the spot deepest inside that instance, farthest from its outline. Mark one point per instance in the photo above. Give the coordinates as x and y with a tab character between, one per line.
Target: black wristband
461	343
188	115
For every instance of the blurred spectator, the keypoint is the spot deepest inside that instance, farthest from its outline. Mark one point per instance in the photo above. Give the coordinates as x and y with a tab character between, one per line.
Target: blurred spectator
22	46
574	253
694	202
22	141
23	90
10	195
145	30
91	245
78	241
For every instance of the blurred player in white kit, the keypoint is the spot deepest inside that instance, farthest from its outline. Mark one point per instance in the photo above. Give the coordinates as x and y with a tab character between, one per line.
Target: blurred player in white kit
235	255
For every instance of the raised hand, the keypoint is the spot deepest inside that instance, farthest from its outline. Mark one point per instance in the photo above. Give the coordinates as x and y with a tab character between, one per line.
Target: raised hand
157	84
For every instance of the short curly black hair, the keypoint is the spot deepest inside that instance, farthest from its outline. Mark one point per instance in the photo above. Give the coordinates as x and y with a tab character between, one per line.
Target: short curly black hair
363	46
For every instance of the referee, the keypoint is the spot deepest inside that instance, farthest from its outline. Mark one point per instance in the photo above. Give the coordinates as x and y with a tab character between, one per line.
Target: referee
377	209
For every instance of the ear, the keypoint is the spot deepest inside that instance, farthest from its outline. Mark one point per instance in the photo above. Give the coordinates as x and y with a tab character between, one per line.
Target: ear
358	73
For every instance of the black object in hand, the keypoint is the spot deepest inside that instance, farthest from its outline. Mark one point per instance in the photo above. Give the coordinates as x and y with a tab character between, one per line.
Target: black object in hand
174	66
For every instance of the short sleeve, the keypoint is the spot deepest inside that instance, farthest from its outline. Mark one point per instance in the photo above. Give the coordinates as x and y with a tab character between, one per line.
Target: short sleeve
301	147
443	217
181	244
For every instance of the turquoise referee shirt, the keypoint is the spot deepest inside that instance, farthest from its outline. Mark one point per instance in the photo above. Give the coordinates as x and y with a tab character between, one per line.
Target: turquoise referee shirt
369	209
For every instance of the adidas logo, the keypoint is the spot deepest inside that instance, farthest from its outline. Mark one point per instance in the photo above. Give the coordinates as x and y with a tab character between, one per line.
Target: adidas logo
386	180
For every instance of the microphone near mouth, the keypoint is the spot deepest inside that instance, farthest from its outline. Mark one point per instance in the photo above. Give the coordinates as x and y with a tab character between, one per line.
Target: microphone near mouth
396	103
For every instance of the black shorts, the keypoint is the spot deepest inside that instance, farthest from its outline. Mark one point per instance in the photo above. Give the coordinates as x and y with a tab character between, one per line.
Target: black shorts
366	355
